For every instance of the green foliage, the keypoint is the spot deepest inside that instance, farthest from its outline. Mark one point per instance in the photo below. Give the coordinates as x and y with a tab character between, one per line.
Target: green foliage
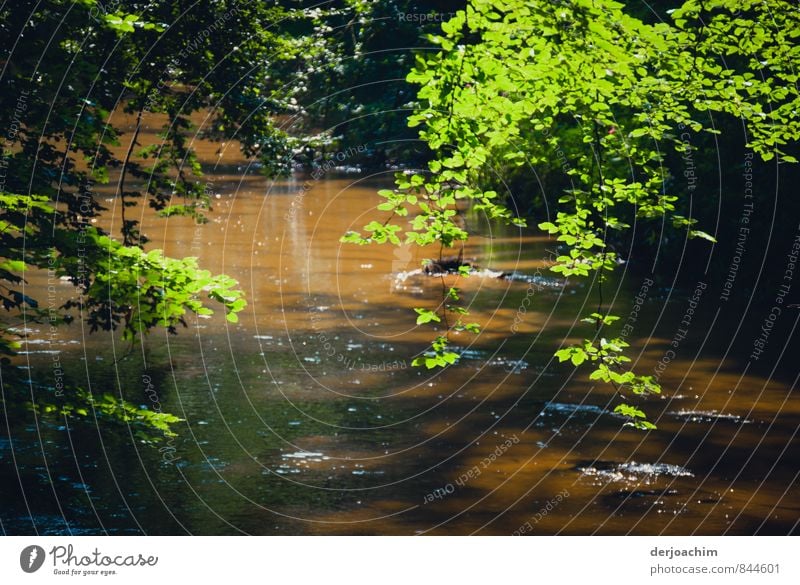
150	289
148	426
426	316
439	356
608	358
585	90
598	319
68	67
636	418
350	87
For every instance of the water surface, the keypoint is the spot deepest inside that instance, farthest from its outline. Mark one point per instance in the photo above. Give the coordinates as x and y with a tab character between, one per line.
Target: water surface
306	417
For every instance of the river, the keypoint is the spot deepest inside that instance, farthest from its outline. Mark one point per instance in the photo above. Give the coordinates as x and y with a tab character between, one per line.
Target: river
306	417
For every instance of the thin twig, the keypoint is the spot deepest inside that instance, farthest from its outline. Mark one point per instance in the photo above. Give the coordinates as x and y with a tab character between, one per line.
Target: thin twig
126	239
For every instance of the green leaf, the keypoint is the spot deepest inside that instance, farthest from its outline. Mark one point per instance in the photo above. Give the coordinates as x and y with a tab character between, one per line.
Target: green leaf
450	357
564	354
597	375
426	316
701	234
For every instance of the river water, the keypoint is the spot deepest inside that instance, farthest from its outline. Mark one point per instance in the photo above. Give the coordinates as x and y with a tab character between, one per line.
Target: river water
306	417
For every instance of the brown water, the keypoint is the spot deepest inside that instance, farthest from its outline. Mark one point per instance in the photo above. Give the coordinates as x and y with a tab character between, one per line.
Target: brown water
306	417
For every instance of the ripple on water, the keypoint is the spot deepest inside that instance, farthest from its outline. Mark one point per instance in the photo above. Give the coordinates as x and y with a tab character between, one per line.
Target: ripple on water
48	525
511	366
569	409
537	279
662	501
709	416
540	281
470	354
298	462
630	471
305	455
639	494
